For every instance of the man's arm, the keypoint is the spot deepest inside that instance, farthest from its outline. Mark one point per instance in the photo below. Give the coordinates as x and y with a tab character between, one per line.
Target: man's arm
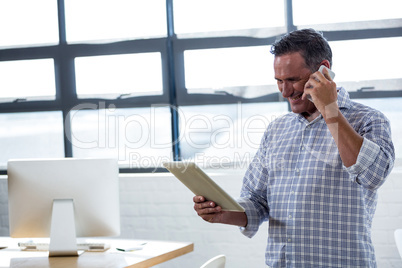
346	138
323	91
210	212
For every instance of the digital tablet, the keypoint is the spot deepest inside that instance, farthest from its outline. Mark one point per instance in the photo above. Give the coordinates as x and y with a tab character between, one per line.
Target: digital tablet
201	184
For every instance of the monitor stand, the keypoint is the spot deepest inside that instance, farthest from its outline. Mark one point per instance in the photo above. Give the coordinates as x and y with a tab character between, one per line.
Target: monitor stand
63	239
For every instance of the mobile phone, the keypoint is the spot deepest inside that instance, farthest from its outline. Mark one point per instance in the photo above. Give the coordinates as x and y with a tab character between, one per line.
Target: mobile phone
331	74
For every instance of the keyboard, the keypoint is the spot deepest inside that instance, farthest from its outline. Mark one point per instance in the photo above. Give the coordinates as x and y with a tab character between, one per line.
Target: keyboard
34	246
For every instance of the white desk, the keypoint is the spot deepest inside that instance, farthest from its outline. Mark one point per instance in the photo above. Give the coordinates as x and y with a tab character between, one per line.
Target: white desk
153	253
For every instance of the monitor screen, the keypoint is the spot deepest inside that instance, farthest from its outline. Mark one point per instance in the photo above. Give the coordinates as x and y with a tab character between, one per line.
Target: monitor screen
63	198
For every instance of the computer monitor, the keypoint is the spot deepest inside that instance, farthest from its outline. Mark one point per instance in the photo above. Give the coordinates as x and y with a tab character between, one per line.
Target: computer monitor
63	199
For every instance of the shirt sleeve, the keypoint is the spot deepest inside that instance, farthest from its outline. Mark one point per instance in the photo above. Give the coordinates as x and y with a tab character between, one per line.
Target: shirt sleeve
376	157
254	193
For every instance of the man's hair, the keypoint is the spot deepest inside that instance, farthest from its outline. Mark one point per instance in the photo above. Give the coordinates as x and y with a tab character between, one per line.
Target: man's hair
311	44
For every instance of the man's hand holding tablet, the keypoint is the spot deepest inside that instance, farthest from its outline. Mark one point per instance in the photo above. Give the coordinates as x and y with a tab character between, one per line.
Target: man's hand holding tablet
211	202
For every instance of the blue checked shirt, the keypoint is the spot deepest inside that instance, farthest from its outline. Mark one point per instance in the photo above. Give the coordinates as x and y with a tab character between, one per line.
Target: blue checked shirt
319	211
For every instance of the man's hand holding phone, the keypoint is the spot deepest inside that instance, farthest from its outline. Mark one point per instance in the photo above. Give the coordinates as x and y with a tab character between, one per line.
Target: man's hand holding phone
321	89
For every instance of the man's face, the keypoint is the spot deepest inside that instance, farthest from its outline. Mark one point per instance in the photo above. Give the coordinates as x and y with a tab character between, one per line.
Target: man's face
291	74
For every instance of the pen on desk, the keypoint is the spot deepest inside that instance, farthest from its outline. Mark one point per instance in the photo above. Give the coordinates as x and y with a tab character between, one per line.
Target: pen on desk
139	247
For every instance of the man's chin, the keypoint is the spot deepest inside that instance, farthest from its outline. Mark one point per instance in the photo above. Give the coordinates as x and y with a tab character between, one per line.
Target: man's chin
303	110
297	109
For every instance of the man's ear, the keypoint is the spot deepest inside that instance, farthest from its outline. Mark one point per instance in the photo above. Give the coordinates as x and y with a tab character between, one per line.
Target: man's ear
326	64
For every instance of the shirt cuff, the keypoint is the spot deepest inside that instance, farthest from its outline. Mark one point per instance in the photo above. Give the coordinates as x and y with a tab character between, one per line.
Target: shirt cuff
253	219
367	156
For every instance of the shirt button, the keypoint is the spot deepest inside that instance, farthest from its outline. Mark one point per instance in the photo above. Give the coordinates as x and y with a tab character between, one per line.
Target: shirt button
292	192
290	216
289	240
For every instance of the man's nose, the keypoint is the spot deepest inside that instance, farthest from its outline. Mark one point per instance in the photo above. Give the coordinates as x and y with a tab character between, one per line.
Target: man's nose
287	89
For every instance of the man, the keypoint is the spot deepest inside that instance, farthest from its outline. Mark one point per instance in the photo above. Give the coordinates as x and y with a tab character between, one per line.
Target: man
316	174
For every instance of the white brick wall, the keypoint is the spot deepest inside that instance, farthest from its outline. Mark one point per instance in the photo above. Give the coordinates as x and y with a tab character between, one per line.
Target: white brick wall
160	207
157	206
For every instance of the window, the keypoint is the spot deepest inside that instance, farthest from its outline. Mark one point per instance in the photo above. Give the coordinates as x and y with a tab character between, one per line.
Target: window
31	135
228	67
345	11
392	109
209	16
226	134
137	137
373	60
156	80
106	20
28	23
27	79
119	76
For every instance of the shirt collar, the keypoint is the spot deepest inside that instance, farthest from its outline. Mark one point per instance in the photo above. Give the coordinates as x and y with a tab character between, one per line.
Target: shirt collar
343	98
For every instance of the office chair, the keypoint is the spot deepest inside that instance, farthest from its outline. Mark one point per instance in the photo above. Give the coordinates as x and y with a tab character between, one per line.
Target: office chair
398	240
216	262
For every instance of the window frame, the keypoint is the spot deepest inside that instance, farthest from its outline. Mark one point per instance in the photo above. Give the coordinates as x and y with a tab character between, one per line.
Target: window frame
172	50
